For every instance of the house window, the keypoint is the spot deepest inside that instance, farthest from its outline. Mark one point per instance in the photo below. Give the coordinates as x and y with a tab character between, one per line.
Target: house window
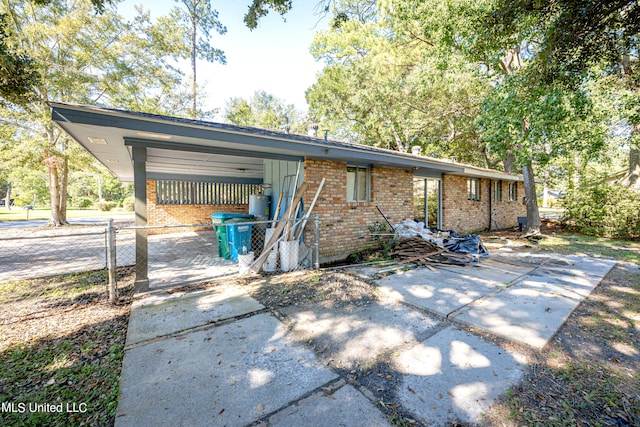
473	189
497	190
513	191
358	183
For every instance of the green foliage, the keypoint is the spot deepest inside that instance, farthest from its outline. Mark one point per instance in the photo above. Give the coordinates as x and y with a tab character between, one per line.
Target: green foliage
596	208
385	86
572	35
538	123
82	202
129	203
17	72
260	8
265	111
106	206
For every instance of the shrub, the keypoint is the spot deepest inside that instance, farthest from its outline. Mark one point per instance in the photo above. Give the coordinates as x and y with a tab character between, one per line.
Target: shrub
106	206
82	202
604	210
128	203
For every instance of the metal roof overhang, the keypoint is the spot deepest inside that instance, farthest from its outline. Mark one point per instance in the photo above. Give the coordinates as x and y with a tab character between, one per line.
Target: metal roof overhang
181	149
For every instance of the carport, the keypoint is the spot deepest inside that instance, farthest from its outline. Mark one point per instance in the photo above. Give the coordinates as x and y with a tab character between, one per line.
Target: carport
138	147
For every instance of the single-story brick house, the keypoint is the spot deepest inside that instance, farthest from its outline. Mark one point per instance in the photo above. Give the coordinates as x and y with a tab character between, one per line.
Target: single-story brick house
184	170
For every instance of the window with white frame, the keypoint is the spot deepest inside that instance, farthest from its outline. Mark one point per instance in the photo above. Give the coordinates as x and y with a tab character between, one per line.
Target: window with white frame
513	191
358	183
497	191
473	189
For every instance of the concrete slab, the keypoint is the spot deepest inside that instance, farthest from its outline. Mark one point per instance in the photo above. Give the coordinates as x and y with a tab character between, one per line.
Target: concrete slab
354	338
491	270
163	314
581	266
440	292
570	285
575	264
521	314
227	375
345	407
455	376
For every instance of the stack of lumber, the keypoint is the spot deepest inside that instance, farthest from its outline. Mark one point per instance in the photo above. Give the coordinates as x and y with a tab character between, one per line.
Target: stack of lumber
284	231
415	250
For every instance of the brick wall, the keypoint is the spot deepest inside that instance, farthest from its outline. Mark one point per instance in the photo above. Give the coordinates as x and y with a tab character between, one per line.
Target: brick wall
182	214
505	212
467	216
344	225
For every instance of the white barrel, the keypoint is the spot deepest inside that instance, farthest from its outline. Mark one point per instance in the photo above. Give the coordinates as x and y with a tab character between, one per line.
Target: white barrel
272	262
244	263
289	255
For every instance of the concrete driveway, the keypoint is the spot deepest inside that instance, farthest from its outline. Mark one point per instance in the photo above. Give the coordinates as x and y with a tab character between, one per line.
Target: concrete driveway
218	357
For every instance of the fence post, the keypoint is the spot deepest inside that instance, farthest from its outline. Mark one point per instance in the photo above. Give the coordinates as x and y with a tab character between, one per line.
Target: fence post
111	261
316	220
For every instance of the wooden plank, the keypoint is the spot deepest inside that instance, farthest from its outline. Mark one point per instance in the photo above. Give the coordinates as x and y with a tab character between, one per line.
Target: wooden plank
422	256
275	215
313	203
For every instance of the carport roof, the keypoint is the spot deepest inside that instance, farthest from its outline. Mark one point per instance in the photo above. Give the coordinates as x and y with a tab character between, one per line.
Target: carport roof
180	148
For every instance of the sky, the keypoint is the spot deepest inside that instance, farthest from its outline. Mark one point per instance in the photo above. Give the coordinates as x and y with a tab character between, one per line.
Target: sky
274	57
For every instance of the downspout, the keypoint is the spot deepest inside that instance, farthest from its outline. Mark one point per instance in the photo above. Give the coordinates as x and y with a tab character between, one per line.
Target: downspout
490	205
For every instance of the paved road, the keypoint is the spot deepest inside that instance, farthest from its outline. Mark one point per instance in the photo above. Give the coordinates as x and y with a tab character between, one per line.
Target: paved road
36	223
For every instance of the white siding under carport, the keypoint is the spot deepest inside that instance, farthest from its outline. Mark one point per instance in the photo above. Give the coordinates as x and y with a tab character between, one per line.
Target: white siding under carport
275	172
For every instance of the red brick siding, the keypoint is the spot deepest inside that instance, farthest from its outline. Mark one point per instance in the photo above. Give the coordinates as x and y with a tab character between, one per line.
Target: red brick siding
182	214
344	225
467	216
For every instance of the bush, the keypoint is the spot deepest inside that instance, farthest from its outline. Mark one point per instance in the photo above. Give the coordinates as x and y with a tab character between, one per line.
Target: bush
82	202
604	210
106	206
128	203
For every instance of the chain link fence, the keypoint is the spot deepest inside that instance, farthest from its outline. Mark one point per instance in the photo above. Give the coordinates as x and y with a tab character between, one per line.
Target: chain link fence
177	254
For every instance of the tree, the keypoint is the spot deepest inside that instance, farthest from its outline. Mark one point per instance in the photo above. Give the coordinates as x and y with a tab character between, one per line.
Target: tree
381	87
265	111
84	58
199	17
573	37
525	120
260	8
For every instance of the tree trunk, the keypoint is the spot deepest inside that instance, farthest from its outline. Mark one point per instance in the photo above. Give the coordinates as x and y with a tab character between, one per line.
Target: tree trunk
509	164
634	158
193	62
545	190
7	199
64	181
58	215
531	200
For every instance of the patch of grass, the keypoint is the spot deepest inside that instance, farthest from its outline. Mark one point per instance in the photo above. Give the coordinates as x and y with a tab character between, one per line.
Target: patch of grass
19	214
621	250
61	352
53	288
63	371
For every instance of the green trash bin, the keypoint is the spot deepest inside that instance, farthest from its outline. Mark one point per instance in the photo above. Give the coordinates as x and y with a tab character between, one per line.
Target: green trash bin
219	219
238	237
